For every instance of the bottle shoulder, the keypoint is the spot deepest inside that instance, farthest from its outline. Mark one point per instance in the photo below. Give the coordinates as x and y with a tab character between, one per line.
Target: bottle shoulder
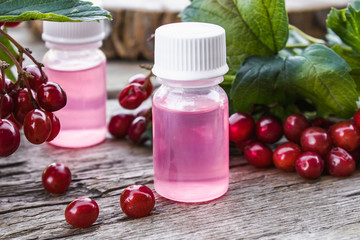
73	60
190	99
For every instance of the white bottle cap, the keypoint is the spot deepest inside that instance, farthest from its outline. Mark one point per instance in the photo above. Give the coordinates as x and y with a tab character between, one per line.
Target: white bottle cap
69	33
190	51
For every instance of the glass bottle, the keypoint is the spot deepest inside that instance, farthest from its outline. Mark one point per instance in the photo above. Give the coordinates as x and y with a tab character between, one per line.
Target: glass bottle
190	113
76	63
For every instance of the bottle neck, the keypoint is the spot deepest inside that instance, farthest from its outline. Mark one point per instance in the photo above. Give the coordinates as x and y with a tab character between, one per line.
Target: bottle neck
73	47
201	83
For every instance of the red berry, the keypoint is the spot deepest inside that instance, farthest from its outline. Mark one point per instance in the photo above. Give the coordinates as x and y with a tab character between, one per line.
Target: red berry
357	118
8	85
356	156
294	125
137	129
82	212
322	123
13	120
7	105
120	124
141	79
23	104
51	96
37	126
132	96
285	156
340	163
137	201
9	138
346	135
12	24
241	127
56	178
37	78
317	140
242	144
309	165
146	112
55	126
269	129
258	155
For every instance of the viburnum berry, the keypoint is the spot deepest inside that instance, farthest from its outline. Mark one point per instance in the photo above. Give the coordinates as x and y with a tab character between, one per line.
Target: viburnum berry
242	144
317	140
241	126
357	118
56	178
322	123
258	155
37	78
346	135
12	24
285	155
269	129
137	130
137	201
8	85
7	105
37	126
132	96
294	125
309	165
51	97
82	212
23	104
55	126
120	124
142	80
9	138
146	112
340	163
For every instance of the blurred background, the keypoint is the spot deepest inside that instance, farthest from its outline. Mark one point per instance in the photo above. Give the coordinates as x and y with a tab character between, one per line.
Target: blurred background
128	42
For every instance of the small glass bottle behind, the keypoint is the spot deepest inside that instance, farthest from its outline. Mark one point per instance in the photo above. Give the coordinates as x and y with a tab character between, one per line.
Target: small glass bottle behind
76	63
190	113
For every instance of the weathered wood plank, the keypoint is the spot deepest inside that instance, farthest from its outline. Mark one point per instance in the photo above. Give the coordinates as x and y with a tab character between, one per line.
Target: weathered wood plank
260	204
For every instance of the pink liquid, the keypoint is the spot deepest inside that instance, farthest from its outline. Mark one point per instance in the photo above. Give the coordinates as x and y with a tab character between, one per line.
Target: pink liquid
83	119
191	153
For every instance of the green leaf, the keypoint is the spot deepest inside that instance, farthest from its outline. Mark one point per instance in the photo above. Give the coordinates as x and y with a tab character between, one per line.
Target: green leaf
346	24
353	59
257	82
6	58
318	75
322	76
257	27
50	10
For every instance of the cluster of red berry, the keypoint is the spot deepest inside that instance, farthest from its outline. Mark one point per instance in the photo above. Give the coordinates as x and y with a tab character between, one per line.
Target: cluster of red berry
121	125
29	102
136	201
312	146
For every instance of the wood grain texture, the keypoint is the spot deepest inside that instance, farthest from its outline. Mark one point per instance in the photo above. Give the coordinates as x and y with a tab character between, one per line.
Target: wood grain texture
260	204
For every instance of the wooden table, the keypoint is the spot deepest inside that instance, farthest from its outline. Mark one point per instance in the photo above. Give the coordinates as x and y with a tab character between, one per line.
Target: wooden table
260	204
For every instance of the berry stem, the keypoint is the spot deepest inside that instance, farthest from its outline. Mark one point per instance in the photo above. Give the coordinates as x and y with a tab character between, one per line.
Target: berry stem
25	76
147	81
21	58
3	66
